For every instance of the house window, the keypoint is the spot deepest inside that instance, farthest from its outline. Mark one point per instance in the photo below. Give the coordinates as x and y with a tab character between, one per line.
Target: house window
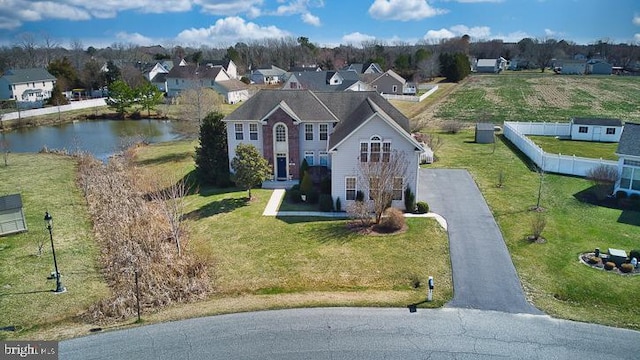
308	131
293	85
374	187
239	132
386	151
625	178
350	188
281	133
324	130
583	129
632	162
43	83
253	131
364	152
611	131
395	88
397	188
375	148
177	82
308	156
324	158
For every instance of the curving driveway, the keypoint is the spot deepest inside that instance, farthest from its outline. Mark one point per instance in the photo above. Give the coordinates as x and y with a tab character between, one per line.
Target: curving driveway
483	274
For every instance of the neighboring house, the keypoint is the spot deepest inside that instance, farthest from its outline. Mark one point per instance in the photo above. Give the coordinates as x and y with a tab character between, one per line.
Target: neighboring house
270	76
160	81
390	83
26	85
157	75
233	91
597	67
340	80
228	65
371	68
336	130
490	66
629	160
594	129
184	77
573	67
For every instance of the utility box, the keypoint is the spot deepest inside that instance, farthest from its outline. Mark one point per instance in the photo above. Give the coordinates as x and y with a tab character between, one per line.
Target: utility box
617	256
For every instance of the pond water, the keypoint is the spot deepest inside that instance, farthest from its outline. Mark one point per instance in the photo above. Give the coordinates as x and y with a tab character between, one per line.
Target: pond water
102	138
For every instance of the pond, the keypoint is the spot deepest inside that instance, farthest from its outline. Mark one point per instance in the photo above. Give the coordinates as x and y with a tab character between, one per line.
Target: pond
102	138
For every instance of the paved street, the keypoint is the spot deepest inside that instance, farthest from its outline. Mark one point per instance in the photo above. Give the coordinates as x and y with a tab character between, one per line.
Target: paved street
361	333
483	274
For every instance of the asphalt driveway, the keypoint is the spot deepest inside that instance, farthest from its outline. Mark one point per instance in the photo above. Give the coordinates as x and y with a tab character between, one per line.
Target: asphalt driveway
483	274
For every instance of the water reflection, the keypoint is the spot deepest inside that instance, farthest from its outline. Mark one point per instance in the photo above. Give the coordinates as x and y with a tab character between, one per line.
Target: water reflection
102	138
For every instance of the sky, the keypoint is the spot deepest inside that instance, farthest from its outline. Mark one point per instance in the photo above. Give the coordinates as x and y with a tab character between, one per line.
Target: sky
222	23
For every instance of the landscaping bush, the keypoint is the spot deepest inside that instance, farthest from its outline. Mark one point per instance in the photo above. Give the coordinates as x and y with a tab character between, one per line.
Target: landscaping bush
593	260
422	207
409	200
303	169
326	203
294	196
452	127
306	186
609	265
313	196
626	268
538	223
338	204
621	194
634	254
325	186
392	220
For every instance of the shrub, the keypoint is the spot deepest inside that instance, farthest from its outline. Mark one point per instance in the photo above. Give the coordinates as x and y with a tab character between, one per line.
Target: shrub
360	211
313	196
392	220
359	196
409	200
621	194
303	169
634	254
422	207
338	204
626	268
295	187
326	202
609	265
593	260
306	186
325	186
294	196
452	127
538	223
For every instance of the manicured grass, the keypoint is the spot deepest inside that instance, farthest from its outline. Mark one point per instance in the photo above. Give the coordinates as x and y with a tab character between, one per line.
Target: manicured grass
541	97
588	149
552	276
46	183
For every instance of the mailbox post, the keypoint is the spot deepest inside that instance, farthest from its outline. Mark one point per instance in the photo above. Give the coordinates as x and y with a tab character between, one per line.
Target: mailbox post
430	293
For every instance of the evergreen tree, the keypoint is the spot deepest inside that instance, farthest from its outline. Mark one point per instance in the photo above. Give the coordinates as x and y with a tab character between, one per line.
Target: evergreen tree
57	98
212	156
250	167
454	67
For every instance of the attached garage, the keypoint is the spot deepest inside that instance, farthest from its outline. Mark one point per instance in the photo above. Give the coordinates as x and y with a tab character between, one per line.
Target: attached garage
11	215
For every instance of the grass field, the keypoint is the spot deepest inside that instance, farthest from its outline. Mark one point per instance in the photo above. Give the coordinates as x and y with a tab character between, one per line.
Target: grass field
552	276
541	97
588	149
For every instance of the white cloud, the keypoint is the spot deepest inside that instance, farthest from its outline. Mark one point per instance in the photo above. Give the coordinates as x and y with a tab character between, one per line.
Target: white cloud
403	10
478	1
636	19
476	32
357	38
135	38
549	32
512	36
7	23
230	30
310	19
636	37
230	7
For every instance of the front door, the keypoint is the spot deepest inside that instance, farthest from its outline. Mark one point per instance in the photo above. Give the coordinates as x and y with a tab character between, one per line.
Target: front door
281	164
596	133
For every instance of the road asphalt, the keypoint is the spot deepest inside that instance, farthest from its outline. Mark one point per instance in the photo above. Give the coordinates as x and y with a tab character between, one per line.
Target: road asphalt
361	333
483	274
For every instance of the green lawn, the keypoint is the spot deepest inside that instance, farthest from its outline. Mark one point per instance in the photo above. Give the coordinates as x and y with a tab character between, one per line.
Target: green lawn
552	276
541	97
588	149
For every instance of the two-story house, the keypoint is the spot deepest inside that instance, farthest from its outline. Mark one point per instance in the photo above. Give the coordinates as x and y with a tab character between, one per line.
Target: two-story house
185	77
26	85
629	160
332	80
336	130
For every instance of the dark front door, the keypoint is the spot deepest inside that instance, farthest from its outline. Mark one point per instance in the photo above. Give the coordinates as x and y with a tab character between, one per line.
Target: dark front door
282	167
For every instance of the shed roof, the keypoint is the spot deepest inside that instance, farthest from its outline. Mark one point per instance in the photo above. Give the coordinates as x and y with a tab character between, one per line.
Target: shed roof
10	202
597	121
485	127
629	140
487	62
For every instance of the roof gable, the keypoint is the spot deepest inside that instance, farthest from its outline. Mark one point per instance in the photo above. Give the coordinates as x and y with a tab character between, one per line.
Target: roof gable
629	140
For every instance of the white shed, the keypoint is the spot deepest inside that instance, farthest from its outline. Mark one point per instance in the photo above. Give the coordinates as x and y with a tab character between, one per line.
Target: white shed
594	129
11	215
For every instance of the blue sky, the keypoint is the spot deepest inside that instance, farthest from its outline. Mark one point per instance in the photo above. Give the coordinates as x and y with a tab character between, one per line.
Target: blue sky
220	23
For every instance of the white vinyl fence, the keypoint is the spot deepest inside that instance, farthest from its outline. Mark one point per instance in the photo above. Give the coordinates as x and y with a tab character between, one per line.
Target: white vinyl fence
74	105
556	163
411	98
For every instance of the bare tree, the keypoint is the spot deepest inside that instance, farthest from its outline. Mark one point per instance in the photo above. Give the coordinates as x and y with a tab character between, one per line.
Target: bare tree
27	42
198	101
382	178
603	178
48	45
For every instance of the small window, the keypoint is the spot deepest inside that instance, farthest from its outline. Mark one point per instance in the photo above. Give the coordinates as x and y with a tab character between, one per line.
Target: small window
583	129
324	158
324	130
611	131
293	85
177	82
43	83
253	131
308	131
239	132
350	188
395	88
309	156
364	152
397	188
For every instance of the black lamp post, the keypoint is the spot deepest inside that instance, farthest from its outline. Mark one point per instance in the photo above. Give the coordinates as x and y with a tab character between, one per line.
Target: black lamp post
49	220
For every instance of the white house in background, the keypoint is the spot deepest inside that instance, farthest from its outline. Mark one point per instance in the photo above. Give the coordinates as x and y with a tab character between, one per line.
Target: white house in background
332	130
491	65
272	75
228	65
629	160
594	129
26	85
573	67
185	77
233	91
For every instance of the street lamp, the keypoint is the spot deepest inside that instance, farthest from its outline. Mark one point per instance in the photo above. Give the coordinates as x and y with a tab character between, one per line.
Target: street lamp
49	220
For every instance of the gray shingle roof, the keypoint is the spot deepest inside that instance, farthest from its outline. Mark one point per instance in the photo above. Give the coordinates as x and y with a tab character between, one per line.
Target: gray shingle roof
20	76
233	85
629	140
319	80
349	109
597	121
193	71
484	126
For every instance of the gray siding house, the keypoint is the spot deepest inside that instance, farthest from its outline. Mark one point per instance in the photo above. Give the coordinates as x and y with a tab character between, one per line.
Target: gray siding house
629	160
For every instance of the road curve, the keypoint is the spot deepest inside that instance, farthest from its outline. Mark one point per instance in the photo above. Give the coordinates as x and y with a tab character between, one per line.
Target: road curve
360	333
483	274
